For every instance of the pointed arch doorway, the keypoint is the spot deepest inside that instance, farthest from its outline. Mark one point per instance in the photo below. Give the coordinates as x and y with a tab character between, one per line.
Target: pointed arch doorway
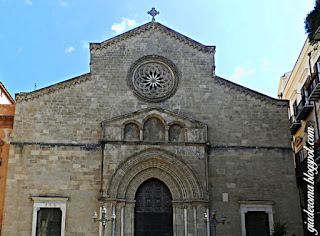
153	209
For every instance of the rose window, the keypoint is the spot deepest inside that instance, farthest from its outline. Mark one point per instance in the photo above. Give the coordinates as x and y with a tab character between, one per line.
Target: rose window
153	81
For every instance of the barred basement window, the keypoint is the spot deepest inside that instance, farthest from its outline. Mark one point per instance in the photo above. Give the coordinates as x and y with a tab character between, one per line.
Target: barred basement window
49	215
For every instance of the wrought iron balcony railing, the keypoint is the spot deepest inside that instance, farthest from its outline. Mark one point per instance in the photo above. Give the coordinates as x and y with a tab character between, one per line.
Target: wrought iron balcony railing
313	88
294	125
303	109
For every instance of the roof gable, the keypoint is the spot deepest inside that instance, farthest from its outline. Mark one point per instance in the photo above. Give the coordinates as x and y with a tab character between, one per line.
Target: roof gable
153	26
241	89
53	88
6	93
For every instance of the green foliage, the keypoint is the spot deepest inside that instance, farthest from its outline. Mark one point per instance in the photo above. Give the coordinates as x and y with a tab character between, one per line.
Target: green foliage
279	229
312	22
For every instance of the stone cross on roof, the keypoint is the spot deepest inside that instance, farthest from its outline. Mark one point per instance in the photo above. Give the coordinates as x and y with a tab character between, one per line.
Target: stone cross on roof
153	13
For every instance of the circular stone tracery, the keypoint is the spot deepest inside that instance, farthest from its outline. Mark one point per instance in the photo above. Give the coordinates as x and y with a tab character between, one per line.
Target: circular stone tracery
153	78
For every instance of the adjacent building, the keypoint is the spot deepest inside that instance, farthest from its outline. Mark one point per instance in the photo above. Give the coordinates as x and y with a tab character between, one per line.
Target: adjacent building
7	110
301	87
156	137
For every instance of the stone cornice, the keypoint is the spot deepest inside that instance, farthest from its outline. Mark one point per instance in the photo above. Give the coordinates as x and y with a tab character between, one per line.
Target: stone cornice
151	109
53	88
153	26
49	199
252	93
256	202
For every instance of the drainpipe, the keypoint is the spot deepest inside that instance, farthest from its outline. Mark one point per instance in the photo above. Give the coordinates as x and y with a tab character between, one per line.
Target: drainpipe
314	102
102	143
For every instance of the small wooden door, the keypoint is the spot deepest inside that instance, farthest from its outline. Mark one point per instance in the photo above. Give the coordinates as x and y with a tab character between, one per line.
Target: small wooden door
257	223
153	210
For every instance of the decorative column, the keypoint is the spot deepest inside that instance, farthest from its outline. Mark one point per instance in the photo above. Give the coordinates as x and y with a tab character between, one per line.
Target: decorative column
113	223
208	224
185	214
195	225
174	218
129	219
120	225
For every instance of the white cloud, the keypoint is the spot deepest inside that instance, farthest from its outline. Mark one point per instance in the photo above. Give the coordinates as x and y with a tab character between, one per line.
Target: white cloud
265	66
63	3
123	26
85	44
240	72
249	72
69	50
28	2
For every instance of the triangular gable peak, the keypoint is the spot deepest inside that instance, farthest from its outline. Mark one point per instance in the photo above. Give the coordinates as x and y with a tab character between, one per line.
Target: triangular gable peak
153	26
241	89
6	94
194	131
53	88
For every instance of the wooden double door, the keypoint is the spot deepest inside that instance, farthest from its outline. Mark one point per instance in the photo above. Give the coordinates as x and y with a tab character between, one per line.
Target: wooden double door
153	209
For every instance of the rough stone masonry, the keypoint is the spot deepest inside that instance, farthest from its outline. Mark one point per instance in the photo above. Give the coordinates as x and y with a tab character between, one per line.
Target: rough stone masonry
152	108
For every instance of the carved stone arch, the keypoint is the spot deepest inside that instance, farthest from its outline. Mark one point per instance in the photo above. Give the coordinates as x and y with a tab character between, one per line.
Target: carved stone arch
155	116
160	164
165	170
131	130
177	132
176	122
154	128
134	122
173	186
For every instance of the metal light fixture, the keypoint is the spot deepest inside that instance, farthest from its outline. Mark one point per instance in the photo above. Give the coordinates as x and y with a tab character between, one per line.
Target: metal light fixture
103	219
214	220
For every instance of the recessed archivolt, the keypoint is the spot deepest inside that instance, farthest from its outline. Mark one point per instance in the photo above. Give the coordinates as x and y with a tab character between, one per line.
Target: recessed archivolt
144	175
155	163
158	166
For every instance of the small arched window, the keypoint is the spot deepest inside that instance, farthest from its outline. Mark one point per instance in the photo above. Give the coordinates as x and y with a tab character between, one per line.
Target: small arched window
176	133
131	132
153	130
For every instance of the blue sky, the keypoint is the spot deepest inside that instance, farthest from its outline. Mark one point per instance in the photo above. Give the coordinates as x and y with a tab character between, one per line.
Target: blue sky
46	41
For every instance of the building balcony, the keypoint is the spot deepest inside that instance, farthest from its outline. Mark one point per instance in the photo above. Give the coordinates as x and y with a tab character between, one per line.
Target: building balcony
317	151
303	109
313	87
294	125
300	168
317	34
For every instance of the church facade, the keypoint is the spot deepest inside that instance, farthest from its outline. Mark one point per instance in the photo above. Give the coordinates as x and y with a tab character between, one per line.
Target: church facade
152	134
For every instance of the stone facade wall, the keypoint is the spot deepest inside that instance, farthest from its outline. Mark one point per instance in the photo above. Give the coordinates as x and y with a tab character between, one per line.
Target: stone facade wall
237	120
52	171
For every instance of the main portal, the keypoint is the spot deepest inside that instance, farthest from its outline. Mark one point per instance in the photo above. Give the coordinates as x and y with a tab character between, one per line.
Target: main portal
153	209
